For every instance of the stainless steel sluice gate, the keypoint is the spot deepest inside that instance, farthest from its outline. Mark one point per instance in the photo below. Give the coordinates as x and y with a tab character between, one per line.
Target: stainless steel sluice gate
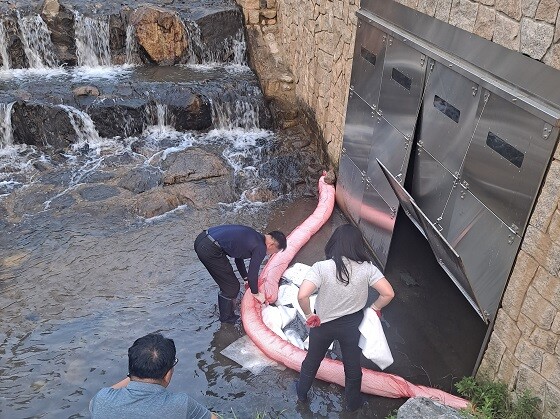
483	122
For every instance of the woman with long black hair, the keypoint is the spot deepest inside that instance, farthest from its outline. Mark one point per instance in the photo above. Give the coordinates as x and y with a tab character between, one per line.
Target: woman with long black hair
342	281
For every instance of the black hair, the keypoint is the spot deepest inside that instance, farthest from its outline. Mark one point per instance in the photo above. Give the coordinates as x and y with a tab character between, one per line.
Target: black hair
347	240
279	238
151	356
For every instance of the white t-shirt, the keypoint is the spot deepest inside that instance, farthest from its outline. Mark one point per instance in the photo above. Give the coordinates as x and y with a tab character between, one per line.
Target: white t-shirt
334	299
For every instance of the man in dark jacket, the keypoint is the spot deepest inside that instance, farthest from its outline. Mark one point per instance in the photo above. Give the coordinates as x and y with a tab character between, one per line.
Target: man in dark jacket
213	246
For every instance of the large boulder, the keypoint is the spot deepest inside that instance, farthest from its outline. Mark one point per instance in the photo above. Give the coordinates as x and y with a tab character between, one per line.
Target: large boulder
160	34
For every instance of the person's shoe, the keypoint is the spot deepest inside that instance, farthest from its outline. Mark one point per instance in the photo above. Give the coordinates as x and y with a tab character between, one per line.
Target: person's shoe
299	397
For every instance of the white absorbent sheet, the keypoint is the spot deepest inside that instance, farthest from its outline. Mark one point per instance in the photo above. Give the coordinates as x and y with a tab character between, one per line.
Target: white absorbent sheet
249	356
296	273
373	341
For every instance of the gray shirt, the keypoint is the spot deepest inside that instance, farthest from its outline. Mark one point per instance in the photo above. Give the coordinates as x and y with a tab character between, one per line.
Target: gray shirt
145	400
335	299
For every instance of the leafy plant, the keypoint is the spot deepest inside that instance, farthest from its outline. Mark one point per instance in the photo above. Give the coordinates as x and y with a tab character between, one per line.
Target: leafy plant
492	400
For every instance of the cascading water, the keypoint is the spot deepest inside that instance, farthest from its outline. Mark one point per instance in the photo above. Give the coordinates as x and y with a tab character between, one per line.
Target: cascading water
37	44
131	46
232	110
4	47
96	227
92	41
6	133
86	134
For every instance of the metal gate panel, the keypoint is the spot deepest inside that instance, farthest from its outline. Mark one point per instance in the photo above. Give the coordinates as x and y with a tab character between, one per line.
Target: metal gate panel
392	149
448	116
507	159
367	66
358	130
377	220
404	70
431	185
350	187
446	256
468	221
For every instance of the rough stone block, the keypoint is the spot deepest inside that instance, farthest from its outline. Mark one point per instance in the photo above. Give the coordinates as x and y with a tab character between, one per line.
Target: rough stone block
557	31
548	286
507	370
541	247
552	58
506	32
522	275
485	20
552	401
269	13
443	9
531	381
254	16
544	339
493	355
422	407
506	329
427	7
525	325
551	368
463	14
555	328
536	37
529	7
271	4
511	8
539	310
529	355
547	11
554	226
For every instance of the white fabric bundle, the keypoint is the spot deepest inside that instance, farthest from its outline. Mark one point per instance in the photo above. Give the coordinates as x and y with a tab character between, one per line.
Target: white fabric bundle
373	341
296	273
287	294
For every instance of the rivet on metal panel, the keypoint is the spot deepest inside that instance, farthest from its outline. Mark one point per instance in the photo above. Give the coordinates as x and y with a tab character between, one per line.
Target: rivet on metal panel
474	90
431	66
393	212
462	194
510	239
438	226
351	88
486	96
390	41
420	144
399	177
344	149
514	228
384	38
465	184
546	131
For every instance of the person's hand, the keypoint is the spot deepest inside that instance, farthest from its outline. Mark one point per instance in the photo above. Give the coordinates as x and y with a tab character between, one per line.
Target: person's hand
259	297
378	312
246	283
313	320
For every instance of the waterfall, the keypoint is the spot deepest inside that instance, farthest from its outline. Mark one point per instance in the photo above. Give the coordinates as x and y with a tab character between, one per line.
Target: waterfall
4	47
131	45
37	43
231	111
196	46
160	117
92	41
6	133
83	126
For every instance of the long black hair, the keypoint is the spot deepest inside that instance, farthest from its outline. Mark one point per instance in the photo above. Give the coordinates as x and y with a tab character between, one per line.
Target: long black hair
347	240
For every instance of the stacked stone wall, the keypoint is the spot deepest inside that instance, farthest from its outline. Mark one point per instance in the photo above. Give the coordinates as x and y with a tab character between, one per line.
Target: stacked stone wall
315	41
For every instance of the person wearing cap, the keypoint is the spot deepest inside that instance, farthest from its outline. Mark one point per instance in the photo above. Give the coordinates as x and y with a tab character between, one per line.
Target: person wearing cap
215	245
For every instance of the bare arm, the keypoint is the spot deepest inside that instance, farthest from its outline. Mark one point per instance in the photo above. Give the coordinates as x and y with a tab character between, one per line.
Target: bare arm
305	290
386	294
122	383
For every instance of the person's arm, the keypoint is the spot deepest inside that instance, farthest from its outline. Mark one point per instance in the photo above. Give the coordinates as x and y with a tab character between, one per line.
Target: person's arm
240	263
123	383
254	266
386	294
305	290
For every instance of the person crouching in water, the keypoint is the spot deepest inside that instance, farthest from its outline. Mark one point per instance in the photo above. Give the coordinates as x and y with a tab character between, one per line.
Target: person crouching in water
342	281
215	245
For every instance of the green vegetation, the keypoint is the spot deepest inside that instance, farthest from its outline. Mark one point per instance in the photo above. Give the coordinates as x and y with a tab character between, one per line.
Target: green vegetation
492	400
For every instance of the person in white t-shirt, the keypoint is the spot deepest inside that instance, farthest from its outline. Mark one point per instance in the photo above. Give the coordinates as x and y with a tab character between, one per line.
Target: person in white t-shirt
342	282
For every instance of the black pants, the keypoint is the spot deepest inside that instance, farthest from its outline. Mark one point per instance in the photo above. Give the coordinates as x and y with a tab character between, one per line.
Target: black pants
345	330
218	265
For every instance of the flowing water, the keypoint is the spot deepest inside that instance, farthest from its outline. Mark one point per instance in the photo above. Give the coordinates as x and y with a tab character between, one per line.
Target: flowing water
82	275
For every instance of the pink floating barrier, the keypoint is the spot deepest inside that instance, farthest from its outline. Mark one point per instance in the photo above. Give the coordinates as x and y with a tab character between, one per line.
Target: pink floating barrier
373	382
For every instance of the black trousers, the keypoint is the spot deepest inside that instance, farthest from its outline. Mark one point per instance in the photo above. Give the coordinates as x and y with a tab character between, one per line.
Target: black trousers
218	265
345	330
